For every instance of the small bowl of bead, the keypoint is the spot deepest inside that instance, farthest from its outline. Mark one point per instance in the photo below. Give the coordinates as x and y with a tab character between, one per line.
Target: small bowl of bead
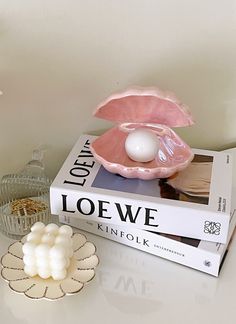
50	262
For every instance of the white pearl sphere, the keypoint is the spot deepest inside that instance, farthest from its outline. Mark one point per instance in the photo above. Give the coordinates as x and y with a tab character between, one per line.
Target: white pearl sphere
142	145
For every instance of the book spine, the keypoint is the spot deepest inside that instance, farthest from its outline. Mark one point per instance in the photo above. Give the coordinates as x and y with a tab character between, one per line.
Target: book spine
151	216
152	243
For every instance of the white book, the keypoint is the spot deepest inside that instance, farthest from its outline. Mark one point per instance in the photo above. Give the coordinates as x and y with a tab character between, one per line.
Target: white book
197	254
194	203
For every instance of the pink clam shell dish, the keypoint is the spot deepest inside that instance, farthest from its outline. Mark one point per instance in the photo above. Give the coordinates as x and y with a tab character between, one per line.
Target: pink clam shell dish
148	108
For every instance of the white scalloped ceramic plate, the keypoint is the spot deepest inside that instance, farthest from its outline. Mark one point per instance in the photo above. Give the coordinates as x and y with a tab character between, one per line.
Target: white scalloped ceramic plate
81	271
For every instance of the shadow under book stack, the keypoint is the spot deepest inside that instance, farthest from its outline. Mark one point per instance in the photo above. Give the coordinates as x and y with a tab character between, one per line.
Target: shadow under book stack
187	218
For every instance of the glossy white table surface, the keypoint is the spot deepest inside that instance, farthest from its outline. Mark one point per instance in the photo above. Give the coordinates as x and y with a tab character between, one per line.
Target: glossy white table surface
132	287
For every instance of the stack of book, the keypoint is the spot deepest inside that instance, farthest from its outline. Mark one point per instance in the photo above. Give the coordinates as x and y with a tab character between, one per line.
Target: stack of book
186	218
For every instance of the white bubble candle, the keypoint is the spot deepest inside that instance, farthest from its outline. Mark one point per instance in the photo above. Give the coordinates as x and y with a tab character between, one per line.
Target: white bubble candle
48	251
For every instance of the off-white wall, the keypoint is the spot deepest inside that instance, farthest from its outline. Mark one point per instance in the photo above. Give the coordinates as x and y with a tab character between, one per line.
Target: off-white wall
59	58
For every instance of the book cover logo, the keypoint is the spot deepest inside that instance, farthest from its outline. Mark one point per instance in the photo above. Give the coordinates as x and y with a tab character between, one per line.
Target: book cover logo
212	227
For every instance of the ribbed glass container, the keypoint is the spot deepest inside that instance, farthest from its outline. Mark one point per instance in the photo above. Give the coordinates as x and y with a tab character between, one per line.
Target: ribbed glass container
25	198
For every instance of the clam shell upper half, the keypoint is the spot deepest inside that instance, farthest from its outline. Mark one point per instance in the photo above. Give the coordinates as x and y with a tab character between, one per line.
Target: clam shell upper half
148	108
145	105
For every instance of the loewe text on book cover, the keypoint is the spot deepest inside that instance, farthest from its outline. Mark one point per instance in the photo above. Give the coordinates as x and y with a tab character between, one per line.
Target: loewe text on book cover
193	203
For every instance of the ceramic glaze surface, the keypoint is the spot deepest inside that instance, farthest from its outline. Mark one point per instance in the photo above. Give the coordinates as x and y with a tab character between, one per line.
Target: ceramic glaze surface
145	105
173	155
81	270
153	110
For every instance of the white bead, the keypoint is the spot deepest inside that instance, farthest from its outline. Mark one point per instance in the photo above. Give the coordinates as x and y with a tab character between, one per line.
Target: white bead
44	272
29	248
42	262
42	250
34	237
52	229
37	227
30	270
29	260
142	145
57	251
64	240
58	264
65	229
48	239
59	275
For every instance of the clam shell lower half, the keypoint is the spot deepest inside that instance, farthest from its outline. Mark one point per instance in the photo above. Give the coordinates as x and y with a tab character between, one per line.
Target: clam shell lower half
174	154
